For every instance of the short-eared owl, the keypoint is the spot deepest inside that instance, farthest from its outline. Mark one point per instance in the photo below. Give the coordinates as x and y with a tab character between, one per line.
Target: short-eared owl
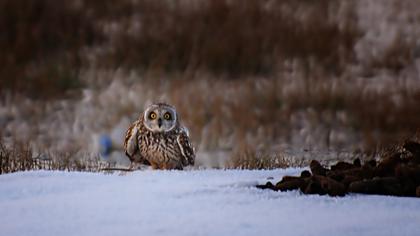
158	139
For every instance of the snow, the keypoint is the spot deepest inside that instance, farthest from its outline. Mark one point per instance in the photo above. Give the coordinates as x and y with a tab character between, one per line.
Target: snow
196	202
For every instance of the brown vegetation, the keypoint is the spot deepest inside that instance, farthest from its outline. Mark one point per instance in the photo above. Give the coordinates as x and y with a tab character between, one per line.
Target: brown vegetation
249	158
232	37
46	43
40	46
259	73
19	157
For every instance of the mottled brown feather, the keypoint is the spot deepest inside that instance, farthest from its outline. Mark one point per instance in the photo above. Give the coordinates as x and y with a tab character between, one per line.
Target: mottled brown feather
186	148
164	150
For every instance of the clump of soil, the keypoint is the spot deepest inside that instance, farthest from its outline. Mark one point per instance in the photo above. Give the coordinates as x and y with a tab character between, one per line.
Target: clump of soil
397	174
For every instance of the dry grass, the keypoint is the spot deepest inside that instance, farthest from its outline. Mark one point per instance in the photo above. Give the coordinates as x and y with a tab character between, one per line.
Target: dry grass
310	113
46	43
266	112
247	157
16	158
397	56
232	37
19	157
40	46
242	74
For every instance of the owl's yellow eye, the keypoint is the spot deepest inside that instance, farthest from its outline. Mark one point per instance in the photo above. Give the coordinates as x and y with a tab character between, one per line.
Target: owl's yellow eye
152	115
167	116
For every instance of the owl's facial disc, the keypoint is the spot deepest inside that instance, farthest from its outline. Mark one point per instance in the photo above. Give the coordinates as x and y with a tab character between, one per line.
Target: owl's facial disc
158	118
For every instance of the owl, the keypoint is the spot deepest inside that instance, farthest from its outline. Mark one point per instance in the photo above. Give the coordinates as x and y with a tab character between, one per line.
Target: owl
158	139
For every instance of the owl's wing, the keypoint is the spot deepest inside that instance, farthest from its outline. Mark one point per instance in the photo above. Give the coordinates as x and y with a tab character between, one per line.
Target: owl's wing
131	145
187	149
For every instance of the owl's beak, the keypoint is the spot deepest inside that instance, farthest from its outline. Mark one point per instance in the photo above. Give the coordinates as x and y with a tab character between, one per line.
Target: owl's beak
160	122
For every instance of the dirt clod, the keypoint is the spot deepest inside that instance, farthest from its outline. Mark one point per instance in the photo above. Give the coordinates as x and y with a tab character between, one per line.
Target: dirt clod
397	174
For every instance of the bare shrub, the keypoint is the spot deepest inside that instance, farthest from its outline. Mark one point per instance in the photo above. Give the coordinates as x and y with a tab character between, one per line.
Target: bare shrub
46	43
248	158
16	158
397	56
252	161
233	37
19	157
266	73
40	46
266	111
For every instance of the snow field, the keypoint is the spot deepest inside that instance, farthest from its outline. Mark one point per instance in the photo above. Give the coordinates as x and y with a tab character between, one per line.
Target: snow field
199	202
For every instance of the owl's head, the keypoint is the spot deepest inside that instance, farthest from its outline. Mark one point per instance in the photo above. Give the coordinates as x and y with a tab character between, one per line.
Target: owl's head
160	117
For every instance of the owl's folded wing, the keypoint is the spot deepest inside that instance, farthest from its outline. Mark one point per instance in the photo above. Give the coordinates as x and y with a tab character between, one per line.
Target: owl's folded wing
187	149
131	142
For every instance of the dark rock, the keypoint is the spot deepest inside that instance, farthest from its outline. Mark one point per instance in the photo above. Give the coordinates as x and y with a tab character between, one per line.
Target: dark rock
317	168
408	172
365	186
342	166
386	166
348	179
336	175
371	163
305	174
314	187
367	171
289	178
409	187
290	183
305	183
268	185
357	162
415	159
394	190
332	187
398	174
412	147
322	185
380	186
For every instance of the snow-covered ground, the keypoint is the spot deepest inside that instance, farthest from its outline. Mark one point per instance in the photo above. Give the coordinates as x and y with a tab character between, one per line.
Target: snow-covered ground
199	202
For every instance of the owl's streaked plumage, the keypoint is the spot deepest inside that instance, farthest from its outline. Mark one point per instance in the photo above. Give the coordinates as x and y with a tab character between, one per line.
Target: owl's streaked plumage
158	139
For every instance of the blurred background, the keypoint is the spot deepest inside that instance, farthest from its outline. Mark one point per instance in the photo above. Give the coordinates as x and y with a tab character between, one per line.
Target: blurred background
259	83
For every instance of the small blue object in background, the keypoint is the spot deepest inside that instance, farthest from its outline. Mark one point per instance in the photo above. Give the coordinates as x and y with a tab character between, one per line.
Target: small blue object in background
105	145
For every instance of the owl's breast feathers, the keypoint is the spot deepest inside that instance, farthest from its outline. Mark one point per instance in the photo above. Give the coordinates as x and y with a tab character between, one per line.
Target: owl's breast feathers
159	149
